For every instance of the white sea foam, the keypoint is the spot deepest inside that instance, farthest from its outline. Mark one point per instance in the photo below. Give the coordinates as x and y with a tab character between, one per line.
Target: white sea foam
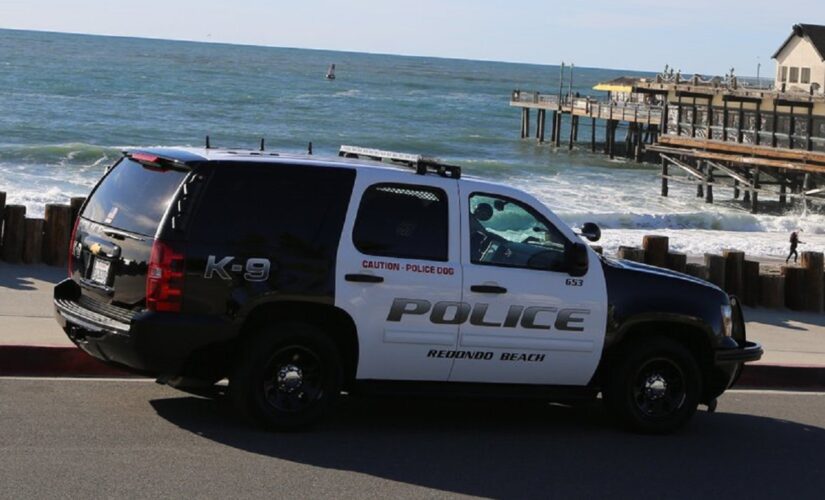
625	202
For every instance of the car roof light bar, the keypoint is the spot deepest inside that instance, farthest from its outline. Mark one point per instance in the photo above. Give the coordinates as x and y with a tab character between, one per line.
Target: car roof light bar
420	163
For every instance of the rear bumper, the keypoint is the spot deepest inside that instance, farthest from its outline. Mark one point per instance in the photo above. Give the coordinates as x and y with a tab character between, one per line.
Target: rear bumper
151	343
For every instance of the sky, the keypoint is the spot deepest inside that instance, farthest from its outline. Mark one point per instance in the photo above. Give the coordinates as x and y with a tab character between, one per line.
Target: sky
703	36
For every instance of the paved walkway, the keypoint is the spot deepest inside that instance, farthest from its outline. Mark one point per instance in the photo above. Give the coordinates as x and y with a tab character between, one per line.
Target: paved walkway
789	338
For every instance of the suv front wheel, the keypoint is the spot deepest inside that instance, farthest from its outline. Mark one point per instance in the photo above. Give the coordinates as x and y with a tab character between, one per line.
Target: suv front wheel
287	376
655	386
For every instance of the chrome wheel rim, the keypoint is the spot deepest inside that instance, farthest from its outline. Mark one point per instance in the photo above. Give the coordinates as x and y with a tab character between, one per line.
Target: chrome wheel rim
293	379
659	389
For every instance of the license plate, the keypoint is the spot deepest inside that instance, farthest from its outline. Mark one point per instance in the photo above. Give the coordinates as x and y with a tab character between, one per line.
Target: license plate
100	271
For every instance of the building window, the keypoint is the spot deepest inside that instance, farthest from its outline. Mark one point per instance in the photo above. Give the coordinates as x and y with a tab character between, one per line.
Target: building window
783	74
806	76
794	75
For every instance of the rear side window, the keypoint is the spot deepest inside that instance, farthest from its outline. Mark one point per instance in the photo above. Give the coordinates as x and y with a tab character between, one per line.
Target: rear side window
298	210
133	197
402	220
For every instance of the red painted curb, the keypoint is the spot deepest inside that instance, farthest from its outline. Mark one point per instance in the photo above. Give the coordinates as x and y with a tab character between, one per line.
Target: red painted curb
73	362
53	361
764	376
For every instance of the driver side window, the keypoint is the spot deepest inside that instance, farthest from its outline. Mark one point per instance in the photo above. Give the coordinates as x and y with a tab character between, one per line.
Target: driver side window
507	233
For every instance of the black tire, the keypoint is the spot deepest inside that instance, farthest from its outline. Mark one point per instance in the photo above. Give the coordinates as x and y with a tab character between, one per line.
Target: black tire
287	376
654	386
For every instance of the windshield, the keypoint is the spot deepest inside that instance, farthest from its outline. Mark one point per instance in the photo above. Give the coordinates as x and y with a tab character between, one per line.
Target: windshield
133	197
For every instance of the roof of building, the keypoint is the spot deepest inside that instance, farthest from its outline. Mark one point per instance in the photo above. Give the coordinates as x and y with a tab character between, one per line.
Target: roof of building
620	84
813	32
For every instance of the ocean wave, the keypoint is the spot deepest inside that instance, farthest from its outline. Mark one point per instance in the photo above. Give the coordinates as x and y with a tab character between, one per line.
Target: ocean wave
711	221
73	153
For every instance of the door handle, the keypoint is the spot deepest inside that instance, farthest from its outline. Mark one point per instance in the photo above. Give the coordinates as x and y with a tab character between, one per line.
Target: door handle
363	278
488	289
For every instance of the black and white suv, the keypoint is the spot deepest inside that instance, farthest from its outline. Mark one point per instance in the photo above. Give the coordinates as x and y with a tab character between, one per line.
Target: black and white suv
297	277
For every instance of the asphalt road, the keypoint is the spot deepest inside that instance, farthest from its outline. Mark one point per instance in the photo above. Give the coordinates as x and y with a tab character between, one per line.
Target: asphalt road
82	439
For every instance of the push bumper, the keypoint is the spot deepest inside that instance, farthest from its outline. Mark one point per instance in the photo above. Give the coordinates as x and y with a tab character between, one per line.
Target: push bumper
750	351
150	343
731	354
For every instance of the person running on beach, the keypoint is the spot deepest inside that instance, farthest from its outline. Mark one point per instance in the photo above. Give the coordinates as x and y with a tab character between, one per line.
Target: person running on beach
794	242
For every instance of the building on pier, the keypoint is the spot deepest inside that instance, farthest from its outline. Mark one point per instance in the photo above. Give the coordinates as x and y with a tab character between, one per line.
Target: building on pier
800	61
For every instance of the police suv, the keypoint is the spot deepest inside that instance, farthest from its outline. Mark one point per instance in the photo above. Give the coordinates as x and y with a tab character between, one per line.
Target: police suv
296	277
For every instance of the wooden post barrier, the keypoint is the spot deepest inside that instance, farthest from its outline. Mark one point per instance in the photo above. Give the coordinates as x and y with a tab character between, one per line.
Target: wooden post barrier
13	226
631	253
656	248
751	283
716	269
814	288
697	270
734	270
76	203
794	287
676	261
33	242
2	212
56	234
772	291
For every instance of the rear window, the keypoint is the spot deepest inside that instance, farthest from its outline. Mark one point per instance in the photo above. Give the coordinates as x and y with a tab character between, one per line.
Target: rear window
133	197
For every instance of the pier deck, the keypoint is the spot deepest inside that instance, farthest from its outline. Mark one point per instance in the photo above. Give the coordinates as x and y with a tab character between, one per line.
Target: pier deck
754	141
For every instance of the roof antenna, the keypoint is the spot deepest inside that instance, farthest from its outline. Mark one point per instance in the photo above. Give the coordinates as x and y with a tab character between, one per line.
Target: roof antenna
207	142
309	148
262	143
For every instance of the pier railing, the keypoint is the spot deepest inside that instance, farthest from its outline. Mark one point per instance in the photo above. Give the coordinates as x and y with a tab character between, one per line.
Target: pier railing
637	112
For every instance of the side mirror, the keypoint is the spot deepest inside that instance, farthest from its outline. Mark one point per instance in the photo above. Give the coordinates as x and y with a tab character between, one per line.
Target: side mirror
575	256
591	231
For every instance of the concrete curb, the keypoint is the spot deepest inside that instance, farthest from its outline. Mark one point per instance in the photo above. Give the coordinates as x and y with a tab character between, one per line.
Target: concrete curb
72	362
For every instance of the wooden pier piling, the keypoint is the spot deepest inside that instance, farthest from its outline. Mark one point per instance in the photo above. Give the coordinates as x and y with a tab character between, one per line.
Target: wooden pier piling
656	249
33	241
734	272
751	284
794	287
56	233
631	253
540	125
677	261
525	122
772	291
593	135
813	263
697	270
716	269
14	217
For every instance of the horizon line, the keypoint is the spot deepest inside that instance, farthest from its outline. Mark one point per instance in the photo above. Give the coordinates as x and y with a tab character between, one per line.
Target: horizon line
317	49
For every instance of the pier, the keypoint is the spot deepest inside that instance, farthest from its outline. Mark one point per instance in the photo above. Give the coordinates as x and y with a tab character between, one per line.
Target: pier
643	120
717	134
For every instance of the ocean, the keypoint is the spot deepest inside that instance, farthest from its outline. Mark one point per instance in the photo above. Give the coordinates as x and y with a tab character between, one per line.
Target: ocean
70	103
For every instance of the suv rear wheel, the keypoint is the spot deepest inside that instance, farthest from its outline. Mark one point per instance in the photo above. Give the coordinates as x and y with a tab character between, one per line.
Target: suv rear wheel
655	386
287	376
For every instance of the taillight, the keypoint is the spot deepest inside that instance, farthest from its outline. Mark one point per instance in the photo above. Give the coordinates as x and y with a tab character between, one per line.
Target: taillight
71	245
164	279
